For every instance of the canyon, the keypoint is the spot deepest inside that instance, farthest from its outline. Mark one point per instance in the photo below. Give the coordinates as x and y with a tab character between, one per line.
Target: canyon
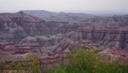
26	33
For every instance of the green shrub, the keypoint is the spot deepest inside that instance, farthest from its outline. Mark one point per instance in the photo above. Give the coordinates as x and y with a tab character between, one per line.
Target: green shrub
80	61
2	67
87	61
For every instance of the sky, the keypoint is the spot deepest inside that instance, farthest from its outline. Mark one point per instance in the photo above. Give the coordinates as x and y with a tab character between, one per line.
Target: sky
83	6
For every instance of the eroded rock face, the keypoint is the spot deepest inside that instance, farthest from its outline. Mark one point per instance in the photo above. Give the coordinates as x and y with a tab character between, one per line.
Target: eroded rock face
14	26
110	37
51	41
20	25
24	29
79	17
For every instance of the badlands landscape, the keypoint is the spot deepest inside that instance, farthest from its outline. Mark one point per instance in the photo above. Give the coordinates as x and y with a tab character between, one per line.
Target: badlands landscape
50	36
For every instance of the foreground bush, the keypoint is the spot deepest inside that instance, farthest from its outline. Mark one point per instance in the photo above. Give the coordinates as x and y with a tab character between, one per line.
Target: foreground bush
32	66
82	61
86	61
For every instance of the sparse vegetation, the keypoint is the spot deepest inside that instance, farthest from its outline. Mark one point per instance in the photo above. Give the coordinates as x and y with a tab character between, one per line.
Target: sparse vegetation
82	61
30	66
86	61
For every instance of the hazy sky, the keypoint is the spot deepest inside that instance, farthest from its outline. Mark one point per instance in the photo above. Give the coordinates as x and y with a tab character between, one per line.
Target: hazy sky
64	5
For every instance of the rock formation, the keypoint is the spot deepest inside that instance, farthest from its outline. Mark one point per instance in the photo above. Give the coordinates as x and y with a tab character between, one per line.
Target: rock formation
25	34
